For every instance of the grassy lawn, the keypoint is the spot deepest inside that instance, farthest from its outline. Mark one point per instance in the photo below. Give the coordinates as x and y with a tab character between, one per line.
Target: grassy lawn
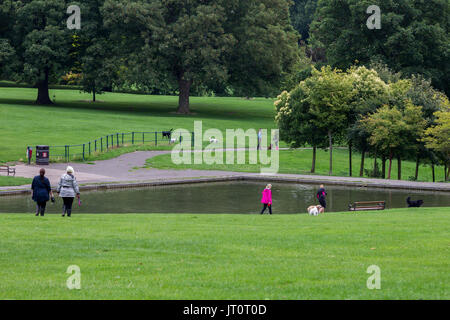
72	120
299	162
13	181
189	256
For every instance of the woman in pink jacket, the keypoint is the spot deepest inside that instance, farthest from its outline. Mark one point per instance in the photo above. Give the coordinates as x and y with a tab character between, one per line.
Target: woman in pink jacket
267	199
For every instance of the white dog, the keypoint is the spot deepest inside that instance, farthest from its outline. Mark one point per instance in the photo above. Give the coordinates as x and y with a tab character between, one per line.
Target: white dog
213	140
173	140
315	210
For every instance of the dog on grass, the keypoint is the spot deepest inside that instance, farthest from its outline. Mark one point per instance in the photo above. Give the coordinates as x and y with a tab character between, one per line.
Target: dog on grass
315	210
213	140
413	203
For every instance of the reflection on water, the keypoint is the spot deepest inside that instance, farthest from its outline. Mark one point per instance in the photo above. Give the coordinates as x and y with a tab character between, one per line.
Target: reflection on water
232	197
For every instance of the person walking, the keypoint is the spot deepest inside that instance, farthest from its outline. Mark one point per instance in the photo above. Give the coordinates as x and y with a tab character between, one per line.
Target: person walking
321	194
267	199
259	139
68	189
42	192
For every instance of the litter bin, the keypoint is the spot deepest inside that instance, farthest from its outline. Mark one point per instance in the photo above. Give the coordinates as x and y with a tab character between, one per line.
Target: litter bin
42	155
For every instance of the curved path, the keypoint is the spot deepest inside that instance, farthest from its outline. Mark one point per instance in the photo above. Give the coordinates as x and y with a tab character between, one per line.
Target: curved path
130	168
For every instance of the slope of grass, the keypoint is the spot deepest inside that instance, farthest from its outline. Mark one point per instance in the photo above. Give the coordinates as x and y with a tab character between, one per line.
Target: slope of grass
13	181
72	120
200	256
299	162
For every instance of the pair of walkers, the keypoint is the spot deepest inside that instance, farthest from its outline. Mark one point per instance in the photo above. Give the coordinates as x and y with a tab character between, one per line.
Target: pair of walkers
266	199
67	189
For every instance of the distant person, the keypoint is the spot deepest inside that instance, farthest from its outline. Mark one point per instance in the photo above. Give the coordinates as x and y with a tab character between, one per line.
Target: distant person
42	192
321	194
68	189
267	199
259	139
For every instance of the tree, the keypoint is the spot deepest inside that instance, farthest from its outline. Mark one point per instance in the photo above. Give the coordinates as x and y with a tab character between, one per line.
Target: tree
295	121
329	94
413	37
247	44
437	137
41	44
390	128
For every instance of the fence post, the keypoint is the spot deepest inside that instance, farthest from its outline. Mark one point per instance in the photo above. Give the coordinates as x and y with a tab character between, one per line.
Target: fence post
143	137
89	148
156	138
83	150
132	137
122	138
101	144
192	139
95	148
107	142
68	153
65	153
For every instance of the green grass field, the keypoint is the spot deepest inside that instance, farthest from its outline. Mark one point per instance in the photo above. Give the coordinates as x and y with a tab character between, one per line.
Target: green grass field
299	162
197	256
13	181
72	120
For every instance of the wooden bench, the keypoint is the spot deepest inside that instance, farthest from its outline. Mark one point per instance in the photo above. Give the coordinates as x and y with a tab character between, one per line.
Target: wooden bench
367	205
9	170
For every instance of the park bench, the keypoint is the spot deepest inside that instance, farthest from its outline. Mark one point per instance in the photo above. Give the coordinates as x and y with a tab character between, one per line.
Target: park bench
9	170
367	205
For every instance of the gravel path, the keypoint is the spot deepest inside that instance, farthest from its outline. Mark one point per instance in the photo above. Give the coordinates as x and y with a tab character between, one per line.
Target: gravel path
129	168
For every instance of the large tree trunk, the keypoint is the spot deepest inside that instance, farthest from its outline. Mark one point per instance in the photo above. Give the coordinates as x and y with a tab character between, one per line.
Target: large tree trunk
374	161
361	168
93	93
330	140
390	164
383	166
399	167
43	94
313	167
350	158
432	172
183	98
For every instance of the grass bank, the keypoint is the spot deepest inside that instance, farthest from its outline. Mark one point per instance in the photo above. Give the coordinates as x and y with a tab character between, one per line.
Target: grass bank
13	181
299	161
200	256
74	120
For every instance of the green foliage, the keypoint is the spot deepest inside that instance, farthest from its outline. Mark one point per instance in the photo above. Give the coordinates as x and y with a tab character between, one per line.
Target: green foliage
413	37
302	14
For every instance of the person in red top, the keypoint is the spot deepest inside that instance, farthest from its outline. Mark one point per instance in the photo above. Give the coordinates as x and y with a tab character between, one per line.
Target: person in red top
267	199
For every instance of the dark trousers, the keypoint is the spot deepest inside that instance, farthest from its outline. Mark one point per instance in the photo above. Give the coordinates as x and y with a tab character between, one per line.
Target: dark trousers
67	207
40	207
322	202
265	207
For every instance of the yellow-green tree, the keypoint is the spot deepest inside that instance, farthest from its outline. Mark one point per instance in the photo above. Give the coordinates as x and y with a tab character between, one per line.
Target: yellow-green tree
437	137
390	128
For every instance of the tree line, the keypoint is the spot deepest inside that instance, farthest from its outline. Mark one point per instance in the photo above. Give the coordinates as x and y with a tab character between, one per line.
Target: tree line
372	112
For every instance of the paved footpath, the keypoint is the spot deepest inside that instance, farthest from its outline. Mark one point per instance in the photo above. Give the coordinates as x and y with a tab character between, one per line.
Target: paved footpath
130	168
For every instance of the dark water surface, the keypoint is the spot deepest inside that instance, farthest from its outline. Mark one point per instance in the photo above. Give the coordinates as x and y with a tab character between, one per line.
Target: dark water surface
232	197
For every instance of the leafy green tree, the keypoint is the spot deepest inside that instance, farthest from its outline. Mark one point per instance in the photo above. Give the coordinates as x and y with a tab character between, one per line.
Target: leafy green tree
329	94
413	37
390	128
247	44
437	137
295	122
302	14
41	41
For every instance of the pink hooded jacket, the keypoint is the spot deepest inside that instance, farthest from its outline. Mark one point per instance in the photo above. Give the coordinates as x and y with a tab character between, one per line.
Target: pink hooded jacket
266	196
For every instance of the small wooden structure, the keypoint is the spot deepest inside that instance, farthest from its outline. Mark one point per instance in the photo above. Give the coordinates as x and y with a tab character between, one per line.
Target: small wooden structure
9	170
367	205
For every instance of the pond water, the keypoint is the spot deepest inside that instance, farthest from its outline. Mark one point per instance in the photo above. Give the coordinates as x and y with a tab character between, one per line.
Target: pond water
231	197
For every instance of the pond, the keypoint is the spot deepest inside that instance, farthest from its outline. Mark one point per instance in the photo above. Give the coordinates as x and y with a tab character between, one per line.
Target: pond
221	197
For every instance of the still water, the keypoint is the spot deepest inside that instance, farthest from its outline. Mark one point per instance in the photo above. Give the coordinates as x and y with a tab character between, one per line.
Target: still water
231	197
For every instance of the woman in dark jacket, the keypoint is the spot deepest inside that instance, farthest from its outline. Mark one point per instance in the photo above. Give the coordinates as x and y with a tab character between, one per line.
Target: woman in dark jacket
41	192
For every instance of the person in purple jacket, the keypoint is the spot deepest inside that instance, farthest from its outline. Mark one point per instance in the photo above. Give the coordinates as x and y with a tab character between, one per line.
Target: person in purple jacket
267	199
321	194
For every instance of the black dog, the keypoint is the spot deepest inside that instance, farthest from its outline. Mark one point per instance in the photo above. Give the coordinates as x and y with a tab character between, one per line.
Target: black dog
413	203
167	134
